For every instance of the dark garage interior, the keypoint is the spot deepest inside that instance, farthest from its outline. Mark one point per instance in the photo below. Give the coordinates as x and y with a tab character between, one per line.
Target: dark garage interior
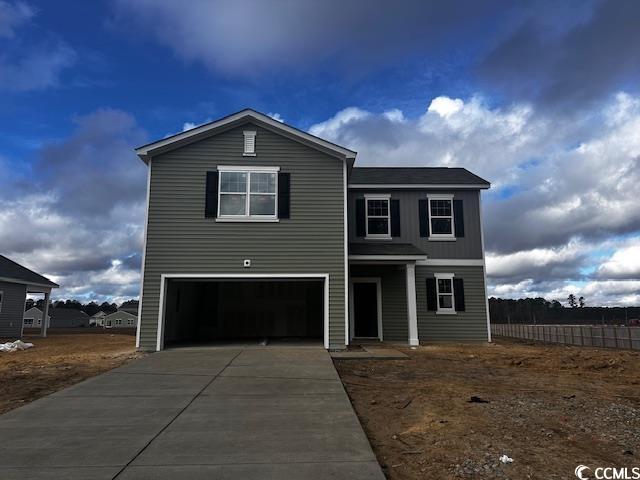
209	311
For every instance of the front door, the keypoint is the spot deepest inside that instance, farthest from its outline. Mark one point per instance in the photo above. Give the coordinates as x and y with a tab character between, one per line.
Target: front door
365	309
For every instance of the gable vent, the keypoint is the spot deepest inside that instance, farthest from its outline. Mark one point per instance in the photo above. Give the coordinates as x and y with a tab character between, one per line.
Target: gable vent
249	142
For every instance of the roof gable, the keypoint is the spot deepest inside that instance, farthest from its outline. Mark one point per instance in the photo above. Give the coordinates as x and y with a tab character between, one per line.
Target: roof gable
207	130
13	272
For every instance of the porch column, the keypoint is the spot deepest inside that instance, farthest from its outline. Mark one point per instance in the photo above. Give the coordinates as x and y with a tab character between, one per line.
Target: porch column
412	310
45	312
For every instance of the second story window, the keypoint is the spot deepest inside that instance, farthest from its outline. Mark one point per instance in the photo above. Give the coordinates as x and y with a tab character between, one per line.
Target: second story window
378	222
248	193
441	216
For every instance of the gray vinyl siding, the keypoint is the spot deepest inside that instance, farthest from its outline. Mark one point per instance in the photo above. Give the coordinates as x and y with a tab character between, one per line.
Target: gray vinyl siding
12	309
125	317
470	325
468	247
395	326
181	240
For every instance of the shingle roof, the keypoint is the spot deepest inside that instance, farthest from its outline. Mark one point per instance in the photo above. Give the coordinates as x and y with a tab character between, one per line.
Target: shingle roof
62	313
12	271
414	176
405	249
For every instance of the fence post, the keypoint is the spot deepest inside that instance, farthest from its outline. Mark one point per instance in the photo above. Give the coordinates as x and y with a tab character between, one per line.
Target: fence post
602	336
630	340
615	335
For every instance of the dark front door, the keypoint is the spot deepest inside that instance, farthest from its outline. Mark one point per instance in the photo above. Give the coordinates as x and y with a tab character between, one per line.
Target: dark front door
365	309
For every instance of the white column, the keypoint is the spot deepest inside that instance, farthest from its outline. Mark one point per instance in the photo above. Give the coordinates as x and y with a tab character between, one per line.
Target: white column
45	312
412	310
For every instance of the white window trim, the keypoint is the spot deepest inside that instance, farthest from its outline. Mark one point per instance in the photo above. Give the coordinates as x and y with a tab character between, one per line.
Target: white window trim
441	236
249	133
247	217
377	236
445	311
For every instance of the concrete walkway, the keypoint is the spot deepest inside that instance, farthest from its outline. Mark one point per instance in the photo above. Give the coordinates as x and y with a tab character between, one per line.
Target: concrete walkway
195	413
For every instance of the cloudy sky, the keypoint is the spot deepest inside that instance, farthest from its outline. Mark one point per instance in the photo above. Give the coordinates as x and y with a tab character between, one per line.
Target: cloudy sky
541	98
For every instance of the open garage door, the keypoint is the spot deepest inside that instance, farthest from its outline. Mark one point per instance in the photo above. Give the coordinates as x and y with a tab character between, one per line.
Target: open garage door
218	310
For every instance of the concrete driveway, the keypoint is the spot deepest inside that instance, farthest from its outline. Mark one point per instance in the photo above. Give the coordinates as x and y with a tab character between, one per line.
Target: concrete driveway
196	413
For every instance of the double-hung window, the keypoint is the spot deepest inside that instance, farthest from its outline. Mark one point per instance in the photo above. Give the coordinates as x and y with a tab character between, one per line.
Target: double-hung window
441	223
248	193
444	291
378	221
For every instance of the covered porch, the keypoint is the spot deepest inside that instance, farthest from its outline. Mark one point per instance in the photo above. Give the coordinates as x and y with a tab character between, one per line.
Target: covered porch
382	292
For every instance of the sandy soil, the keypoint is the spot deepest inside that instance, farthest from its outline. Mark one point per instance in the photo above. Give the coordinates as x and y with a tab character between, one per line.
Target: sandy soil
58	361
550	408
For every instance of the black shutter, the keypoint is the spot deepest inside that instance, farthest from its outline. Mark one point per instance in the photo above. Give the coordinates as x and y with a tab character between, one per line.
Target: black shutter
211	195
432	300
458	294
361	228
395	218
458	218
423	217
284	195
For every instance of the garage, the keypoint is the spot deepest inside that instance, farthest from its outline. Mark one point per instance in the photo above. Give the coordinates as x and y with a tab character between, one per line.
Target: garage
213	310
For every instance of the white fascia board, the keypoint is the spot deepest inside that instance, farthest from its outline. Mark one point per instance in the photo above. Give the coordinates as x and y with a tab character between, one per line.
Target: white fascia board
144	151
450	262
411	258
419	186
29	284
247	168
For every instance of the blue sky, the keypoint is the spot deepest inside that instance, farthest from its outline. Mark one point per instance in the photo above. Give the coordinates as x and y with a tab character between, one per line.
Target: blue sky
537	97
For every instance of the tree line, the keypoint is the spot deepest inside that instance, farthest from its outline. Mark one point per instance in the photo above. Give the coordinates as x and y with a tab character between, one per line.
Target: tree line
90	308
542	311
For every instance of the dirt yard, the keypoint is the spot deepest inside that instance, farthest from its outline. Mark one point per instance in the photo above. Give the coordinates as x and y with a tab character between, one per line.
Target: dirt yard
549	408
58	361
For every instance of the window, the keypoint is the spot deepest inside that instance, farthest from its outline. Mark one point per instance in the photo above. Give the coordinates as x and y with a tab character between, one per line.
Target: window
444	291
131	321
378	218
248	193
118	321
441	216
28	321
249	143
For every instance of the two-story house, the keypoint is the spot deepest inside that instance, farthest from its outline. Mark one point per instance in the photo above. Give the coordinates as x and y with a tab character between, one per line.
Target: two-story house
256	229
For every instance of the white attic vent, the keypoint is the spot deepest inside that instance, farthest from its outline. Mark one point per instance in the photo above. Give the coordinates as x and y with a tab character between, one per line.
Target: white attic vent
249	142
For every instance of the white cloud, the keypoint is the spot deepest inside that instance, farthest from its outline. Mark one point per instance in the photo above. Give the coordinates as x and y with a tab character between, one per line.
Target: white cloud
276	116
335	125
445	106
13	16
624	263
188	126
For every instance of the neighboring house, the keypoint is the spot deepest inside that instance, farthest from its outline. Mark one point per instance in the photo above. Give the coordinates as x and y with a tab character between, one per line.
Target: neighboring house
97	319
68	318
33	318
120	319
257	229
16	282
132	309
